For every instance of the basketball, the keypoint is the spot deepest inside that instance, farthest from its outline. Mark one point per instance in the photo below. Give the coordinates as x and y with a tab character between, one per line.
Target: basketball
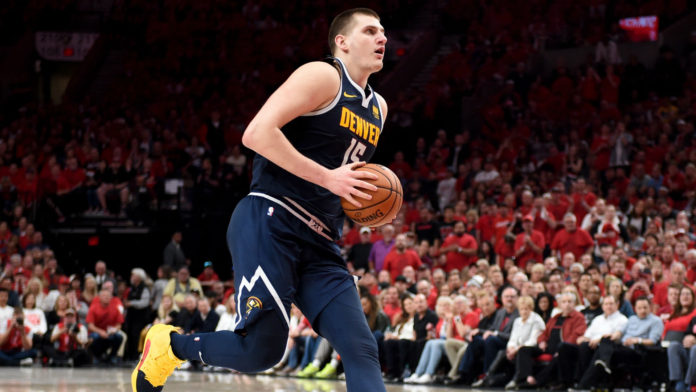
386	200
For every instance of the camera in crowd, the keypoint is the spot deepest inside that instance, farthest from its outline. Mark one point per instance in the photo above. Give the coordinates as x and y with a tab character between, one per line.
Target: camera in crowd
72	328
20	321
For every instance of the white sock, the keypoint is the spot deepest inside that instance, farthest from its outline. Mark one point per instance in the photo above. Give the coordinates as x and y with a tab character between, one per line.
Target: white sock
334	363
316	363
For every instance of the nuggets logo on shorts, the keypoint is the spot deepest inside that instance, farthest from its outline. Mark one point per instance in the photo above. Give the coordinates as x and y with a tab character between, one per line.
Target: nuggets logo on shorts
253	302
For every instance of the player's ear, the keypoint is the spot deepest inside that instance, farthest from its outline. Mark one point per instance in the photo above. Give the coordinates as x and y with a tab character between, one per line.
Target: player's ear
341	42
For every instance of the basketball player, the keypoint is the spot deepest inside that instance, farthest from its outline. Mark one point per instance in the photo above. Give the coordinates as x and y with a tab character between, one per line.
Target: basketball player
310	135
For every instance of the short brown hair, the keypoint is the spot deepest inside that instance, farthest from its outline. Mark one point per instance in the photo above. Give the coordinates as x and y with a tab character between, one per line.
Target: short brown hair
341	22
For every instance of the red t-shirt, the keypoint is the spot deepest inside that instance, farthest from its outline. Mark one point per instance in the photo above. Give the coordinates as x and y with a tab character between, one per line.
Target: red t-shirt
395	262
578	209
529	254
213	278
104	316
576	242
457	260
14	341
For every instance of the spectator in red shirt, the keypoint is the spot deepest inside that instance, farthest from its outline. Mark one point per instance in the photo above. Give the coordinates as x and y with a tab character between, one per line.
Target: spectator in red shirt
461	248
15	340
529	245
104	320
208	276
583	200
70	338
572	238
392	305
558	206
400	257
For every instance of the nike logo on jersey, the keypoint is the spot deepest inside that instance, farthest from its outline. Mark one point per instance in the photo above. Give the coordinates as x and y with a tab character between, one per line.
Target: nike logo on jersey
345	94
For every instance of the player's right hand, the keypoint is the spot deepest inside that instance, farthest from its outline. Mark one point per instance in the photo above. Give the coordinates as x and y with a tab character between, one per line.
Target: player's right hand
344	181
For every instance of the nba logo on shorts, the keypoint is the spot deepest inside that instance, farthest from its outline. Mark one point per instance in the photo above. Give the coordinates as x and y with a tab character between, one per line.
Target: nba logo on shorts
270	211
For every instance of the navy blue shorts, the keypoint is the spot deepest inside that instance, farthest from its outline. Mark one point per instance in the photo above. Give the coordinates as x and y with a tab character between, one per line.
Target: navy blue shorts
280	255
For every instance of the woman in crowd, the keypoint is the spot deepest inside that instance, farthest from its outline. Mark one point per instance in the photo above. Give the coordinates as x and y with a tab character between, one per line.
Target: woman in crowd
54	316
226	322
435	347
525	331
399	342
34	318
90	290
35	287
674	333
544	305
617	289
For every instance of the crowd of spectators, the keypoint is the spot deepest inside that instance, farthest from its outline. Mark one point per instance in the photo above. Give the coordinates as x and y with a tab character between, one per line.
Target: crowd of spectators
551	247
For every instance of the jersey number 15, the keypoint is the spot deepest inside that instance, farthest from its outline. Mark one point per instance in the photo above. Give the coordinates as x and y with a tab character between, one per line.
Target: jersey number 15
354	152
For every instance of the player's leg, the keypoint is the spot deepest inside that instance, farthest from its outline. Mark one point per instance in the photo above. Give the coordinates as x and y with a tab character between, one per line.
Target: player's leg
342	322
264	279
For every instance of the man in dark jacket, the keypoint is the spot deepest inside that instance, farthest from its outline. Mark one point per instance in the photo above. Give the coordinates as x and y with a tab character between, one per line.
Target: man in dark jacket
205	320
488	341
563	328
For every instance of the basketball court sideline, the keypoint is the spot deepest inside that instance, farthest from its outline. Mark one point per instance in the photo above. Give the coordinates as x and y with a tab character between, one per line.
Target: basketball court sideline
118	380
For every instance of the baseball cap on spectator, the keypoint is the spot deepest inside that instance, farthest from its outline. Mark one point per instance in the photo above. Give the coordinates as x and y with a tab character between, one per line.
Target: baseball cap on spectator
64	280
401	278
528	218
680	232
557	188
208	264
365	230
70	311
646	271
423	267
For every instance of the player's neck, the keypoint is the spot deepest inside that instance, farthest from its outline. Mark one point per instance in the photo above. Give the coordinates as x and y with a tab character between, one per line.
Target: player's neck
357	74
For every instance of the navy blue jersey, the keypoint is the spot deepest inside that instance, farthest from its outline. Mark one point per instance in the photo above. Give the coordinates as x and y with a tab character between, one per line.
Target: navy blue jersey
345	131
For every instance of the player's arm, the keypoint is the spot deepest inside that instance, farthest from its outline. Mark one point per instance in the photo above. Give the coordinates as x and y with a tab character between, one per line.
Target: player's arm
310	87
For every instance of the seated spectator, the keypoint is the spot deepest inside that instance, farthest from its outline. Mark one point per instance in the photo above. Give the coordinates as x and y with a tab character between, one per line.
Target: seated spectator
544	305
399	342
34	318
293	350
392	306
617	289
68	342
208	276
463	322
104	321
35	287
399	257
227	319
572	238
642	329
594	306
5	310
138	313
435	346
679	333
684	311
205	320
167	312
603	325
525	332
490	338
563	328
16	341
182	285
359	254
187	313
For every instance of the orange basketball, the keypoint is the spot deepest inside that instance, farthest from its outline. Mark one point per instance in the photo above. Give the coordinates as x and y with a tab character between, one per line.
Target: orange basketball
386	200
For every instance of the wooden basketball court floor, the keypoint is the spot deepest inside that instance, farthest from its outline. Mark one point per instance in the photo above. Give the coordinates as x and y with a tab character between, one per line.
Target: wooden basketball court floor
36	379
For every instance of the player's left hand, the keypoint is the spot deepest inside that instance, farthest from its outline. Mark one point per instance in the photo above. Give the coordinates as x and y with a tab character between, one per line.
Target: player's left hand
344	181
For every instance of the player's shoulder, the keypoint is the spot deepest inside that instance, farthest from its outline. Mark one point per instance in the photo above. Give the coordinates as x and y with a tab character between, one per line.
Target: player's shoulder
317	72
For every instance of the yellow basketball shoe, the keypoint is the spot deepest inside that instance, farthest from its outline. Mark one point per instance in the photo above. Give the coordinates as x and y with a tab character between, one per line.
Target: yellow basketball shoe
157	362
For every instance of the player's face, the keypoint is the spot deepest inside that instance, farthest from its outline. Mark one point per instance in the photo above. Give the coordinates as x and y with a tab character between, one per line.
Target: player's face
366	42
